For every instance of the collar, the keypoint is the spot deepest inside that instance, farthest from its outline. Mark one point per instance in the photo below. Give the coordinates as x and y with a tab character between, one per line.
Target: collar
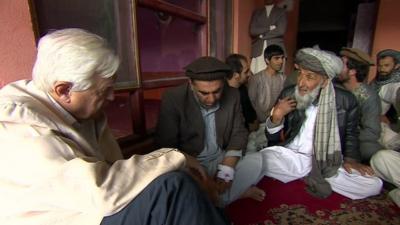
208	111
67	116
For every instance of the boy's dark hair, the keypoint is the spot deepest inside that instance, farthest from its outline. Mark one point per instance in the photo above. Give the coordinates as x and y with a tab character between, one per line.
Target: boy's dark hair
272	50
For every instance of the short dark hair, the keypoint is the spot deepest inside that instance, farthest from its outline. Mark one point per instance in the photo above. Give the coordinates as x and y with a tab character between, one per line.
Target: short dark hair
234	62
273	50
361	69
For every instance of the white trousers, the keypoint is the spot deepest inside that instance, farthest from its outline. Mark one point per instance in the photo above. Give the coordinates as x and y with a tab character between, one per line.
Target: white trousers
286	165
386	164
258	64
389	139
248	172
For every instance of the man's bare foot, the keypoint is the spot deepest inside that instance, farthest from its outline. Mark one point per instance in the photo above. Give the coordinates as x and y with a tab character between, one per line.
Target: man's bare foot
254	193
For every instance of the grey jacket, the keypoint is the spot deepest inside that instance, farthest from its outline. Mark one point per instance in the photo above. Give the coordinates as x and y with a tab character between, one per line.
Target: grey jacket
370	127
180	124
260	25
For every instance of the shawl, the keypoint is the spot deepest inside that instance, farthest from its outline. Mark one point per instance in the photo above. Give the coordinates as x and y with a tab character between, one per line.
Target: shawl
327	157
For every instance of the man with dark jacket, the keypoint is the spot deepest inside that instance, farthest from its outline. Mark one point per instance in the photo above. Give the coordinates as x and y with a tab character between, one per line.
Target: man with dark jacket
313	131
238	79
203	118
356	65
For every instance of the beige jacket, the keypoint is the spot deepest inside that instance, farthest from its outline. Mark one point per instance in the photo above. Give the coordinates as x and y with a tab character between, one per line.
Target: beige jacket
49	174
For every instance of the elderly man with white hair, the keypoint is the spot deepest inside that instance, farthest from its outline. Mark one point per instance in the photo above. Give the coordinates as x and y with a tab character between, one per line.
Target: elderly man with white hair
60	163
313	133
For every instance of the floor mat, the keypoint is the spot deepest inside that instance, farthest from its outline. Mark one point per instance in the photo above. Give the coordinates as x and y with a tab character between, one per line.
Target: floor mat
291	204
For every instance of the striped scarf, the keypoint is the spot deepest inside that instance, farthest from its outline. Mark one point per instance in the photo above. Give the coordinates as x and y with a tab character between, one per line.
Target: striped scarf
327	157
327	148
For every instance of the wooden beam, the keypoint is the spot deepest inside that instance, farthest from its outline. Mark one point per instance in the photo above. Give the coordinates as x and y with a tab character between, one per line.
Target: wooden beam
153	80
137	112
173	10
163	82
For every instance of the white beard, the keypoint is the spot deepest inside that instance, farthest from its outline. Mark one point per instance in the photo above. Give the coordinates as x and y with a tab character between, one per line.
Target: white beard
304	101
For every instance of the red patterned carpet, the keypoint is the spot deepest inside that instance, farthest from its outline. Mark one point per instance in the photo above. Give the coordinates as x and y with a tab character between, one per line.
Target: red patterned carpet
291	204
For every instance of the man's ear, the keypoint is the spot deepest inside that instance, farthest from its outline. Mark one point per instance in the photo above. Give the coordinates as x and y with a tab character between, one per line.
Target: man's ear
236	76
325	82
397	66
352	72
190	83
266	61
62	91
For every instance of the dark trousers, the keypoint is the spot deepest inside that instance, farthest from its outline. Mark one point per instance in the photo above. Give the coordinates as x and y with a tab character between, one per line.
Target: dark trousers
171	199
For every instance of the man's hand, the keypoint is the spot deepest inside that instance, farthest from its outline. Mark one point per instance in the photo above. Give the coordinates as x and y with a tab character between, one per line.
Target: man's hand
384	119
282	108
361	168
222	185
225	174
206	183
194	167
254	125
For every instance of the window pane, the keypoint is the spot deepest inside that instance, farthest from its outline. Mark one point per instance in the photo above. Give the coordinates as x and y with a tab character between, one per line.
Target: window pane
118	115
102	17
167	43
93	15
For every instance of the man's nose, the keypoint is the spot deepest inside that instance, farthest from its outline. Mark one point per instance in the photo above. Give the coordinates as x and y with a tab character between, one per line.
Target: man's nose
212	98
300	81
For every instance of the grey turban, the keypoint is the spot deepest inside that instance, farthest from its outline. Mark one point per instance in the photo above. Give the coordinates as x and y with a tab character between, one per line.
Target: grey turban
389	52
319	61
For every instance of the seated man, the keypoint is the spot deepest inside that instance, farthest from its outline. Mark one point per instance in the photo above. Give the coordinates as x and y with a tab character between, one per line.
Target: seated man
313	133
388	85
356	65
203	118
60	163
238	79
386	165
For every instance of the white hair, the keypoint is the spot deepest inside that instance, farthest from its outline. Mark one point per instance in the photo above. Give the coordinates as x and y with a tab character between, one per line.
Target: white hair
72	55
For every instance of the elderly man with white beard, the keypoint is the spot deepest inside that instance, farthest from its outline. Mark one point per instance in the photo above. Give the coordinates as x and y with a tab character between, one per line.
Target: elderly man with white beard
313	133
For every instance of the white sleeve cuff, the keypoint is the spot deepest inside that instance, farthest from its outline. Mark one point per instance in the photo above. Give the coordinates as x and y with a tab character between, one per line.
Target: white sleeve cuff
236	153
273	128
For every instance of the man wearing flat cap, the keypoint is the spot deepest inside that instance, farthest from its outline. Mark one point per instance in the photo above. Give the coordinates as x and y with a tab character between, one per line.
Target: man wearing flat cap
356	65
388	86
203	118
313	133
